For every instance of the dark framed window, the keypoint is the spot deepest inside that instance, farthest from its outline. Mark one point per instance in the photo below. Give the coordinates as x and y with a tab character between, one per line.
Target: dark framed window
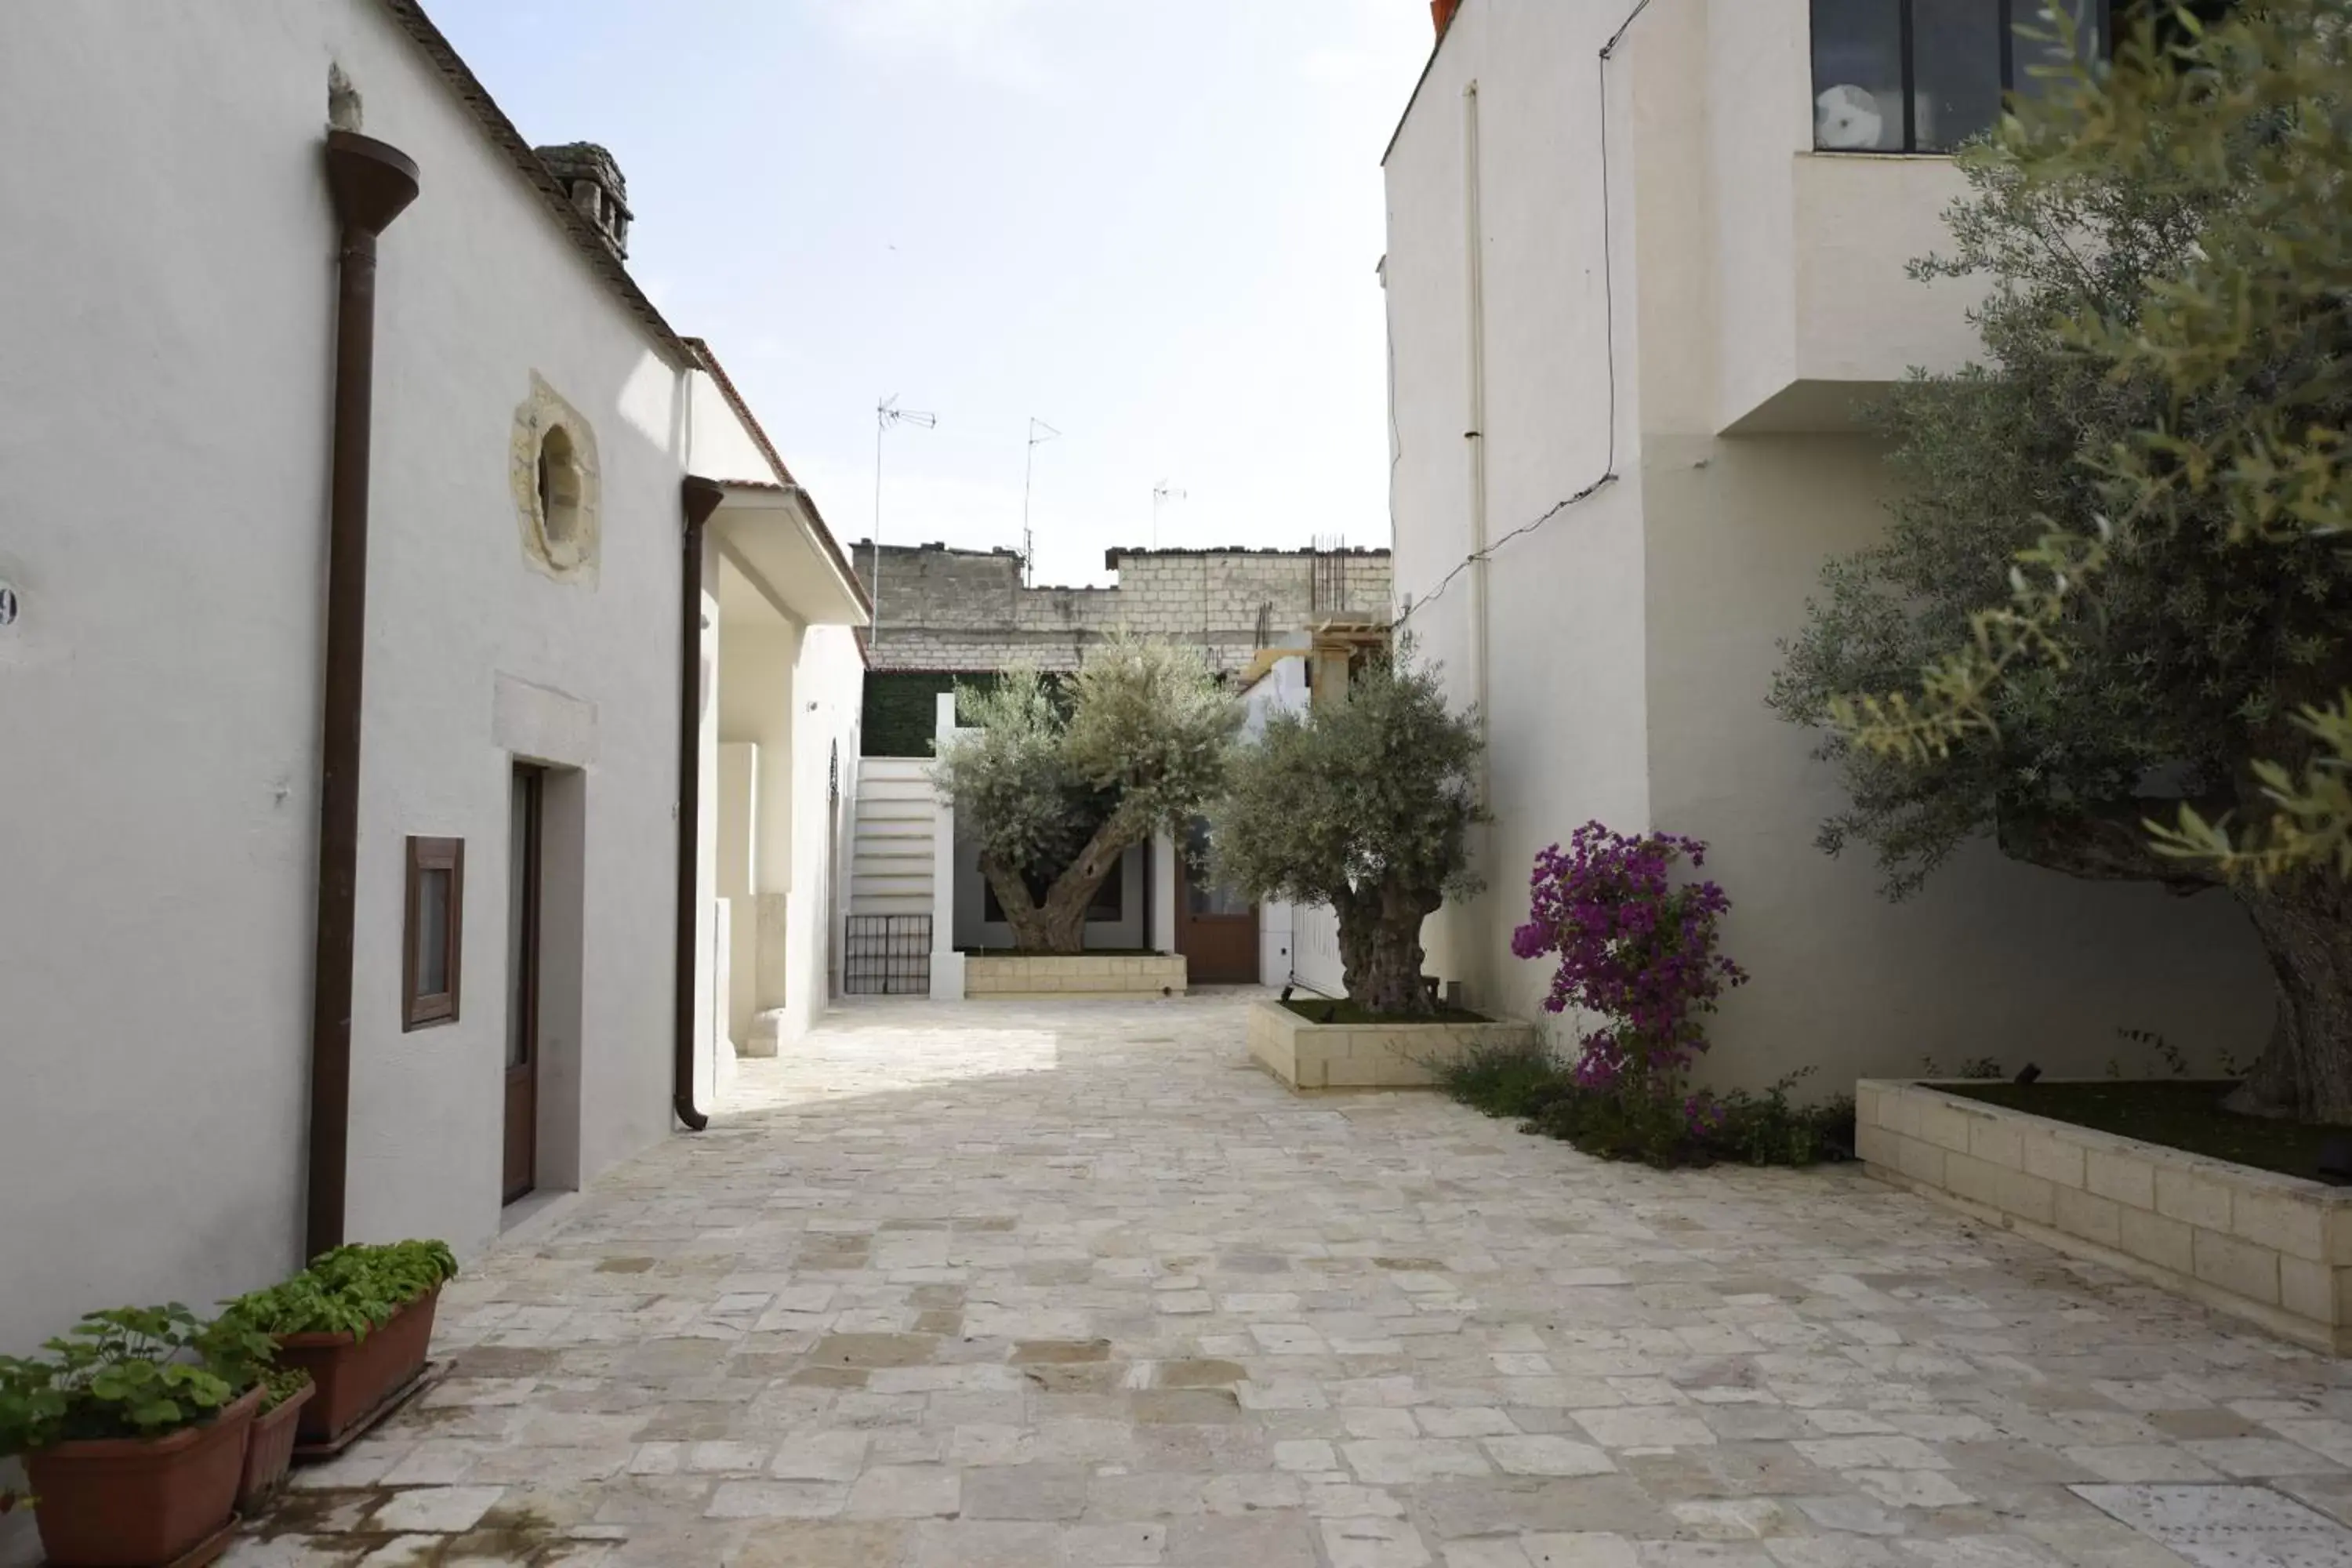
1924	76
433	932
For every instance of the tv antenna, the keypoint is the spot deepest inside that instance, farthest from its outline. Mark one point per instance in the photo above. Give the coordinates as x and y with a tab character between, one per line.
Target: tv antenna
1028	478
887	414
1161	493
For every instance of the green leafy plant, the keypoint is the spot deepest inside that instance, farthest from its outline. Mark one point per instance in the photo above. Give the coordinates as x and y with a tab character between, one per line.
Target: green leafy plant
351	1290
1528	1084
285	1384
2165	1051
1502	1080
132	1371
1769	1129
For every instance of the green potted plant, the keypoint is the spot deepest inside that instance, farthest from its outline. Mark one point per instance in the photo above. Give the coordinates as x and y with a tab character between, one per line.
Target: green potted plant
133	1431
359	1321
269	1450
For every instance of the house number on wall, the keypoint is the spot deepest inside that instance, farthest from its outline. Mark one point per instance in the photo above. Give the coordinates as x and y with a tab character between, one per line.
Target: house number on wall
7	604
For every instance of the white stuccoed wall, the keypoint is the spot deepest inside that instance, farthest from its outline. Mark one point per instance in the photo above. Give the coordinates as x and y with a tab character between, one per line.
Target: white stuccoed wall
163	495
1634	638
171	257
1565	712
477	289
828	688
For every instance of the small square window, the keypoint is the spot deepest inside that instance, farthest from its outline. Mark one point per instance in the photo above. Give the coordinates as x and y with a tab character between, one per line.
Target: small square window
433	934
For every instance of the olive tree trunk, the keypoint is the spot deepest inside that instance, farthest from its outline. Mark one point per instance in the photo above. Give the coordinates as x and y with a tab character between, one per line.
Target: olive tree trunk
1058	924
1380	950
2306	926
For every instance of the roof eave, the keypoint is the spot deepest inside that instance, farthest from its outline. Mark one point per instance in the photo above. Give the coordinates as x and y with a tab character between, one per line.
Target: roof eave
708	362
411	18
1427	66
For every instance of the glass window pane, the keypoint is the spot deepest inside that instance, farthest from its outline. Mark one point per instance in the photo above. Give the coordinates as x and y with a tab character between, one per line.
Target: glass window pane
1200	897
1956	48
431	932
1858	74
1110	896
2039	61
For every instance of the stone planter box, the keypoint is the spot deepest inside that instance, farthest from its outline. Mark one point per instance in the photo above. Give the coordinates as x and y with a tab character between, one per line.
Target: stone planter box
1084	975
2274	1249
1306	1054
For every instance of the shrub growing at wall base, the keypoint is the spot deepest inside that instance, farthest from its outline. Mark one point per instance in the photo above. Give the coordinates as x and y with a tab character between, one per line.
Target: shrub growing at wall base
1766	1128
1636	951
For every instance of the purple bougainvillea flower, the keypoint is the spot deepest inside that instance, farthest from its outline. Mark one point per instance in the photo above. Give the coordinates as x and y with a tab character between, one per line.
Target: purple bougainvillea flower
1636	950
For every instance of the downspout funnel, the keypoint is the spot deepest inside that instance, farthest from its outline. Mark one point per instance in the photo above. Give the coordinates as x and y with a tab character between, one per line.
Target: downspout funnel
373	184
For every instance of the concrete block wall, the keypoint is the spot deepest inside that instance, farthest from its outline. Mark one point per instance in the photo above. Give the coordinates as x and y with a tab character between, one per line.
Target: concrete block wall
1085	975
2273	1248
943	609
1306	1054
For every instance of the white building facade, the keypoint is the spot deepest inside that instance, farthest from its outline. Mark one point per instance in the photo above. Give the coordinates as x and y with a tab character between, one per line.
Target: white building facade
178	256
1631	306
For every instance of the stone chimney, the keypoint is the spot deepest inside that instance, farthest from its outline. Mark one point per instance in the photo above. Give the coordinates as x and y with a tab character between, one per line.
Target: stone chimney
1442	12
588	172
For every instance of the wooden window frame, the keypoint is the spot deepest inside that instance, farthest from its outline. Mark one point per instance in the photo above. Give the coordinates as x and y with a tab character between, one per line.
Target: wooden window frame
420	1009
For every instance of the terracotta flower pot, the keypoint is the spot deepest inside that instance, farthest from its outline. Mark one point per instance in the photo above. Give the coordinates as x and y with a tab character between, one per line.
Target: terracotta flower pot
269	1451
139	1502
351	1376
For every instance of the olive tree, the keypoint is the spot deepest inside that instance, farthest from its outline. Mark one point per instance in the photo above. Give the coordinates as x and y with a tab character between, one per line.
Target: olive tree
1366	805
2121	559
1055	784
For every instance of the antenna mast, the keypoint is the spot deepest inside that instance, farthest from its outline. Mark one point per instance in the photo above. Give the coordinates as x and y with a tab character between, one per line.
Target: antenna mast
1162	492
1028	478
886	413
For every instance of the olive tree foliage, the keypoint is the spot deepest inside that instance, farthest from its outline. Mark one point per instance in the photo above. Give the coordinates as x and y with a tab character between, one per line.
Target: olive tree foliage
1055	786
2108	623
1366	805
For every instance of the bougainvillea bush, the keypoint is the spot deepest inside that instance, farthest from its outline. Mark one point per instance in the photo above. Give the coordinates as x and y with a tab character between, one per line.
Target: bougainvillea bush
1636	962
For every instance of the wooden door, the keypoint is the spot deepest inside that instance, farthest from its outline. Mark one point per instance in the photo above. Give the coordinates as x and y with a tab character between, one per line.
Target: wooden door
521	1142
1216	931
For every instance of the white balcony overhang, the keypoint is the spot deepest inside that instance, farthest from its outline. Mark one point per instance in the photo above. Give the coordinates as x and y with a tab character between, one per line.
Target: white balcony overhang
1821	311
769	535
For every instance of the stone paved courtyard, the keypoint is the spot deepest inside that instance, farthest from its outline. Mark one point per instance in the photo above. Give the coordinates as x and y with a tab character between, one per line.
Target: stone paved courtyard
1042	1285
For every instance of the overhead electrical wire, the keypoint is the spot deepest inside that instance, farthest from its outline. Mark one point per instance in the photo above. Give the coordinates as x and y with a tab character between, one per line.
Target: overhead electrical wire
1609	313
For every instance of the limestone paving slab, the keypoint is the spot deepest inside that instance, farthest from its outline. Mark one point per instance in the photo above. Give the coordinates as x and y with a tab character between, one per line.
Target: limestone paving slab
1073	1284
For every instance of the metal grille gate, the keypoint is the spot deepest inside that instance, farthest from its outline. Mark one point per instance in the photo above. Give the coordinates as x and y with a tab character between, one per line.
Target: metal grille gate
888	956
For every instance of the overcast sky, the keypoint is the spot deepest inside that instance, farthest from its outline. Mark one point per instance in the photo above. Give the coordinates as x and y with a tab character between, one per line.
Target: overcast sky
1152	224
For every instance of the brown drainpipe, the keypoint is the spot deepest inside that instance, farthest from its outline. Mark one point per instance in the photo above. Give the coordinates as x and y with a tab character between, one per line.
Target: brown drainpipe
699	498
372	183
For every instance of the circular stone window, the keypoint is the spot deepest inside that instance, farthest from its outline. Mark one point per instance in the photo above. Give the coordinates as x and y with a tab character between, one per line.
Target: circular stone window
551	469
560	488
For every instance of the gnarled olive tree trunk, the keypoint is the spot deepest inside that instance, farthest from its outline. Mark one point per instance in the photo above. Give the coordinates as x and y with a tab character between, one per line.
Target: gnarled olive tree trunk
2304	923
1058	924
1379	949
2306	926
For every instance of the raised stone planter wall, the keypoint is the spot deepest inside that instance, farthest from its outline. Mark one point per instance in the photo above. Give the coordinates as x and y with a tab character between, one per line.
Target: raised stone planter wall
1086	974
2272	1248
1367	1056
